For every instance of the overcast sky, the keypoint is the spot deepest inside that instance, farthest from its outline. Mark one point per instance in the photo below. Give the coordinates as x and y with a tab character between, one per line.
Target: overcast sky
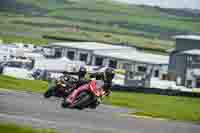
195	4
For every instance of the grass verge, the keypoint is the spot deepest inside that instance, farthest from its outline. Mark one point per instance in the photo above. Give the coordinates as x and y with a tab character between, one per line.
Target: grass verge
20	39
10	128
23	85
170	107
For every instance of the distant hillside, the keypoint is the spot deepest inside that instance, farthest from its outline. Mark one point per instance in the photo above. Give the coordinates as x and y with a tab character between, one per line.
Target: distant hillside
176	4
14	6
97	20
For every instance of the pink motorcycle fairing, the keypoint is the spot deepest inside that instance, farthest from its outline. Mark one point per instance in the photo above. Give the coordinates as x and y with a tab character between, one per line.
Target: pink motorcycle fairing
94	86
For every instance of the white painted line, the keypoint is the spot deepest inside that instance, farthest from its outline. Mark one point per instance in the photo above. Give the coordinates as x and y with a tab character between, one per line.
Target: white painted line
6	90
143	117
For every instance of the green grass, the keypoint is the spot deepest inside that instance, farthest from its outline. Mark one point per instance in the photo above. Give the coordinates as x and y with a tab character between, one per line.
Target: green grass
107	12
24	85
142	26
39	26
21	39
12	128
131	21
139	42
171	107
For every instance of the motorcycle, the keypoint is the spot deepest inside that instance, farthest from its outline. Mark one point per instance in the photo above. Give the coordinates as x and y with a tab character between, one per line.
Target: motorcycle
86	96
62	88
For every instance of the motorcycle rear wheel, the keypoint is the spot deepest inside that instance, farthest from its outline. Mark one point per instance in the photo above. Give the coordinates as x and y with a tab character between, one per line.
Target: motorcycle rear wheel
93	105
48	93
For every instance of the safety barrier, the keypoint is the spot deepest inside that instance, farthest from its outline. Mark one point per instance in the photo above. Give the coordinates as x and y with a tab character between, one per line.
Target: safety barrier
168	92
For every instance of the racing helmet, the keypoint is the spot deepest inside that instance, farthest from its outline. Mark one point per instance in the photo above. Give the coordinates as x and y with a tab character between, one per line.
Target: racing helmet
109	74
65	76
99	76
82	71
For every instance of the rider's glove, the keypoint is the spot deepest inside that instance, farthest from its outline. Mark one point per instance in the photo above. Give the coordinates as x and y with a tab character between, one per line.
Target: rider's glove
99	100
63	85
108	93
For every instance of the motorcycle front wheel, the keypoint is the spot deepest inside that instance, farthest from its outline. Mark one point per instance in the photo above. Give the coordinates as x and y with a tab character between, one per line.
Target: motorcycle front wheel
94	104
82	100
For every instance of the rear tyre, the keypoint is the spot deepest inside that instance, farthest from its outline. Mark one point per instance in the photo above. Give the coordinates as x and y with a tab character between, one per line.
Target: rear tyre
48	93
64	104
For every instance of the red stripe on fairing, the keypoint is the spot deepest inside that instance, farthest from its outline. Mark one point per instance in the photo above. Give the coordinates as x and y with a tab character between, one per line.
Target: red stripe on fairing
95	91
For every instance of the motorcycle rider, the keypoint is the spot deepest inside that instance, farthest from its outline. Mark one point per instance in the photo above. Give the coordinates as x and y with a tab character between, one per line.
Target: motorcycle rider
65	77
68	81
82	76
106	76
53	85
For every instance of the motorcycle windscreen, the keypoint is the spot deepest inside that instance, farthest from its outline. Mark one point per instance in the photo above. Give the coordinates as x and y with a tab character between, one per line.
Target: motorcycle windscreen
96	87
99	84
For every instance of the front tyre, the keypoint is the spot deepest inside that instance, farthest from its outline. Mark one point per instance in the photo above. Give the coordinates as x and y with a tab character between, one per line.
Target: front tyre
94	104
48	93
64	104
82	100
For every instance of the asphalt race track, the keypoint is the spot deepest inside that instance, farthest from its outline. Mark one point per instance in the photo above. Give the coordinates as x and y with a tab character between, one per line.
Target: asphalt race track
33	110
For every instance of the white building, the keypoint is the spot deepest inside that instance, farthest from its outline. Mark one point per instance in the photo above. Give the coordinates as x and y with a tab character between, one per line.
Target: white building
139	66
30	47
82	51
184	66
134	61
58	65
10	51
6	51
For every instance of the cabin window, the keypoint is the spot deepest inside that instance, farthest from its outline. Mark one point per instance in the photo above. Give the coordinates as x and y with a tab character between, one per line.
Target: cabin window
113	63
58	53
83	57
99	61
189	83
25	46
4	58
142	69
198	83
156	73
127	66
130	75
11	56
71	55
